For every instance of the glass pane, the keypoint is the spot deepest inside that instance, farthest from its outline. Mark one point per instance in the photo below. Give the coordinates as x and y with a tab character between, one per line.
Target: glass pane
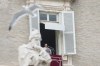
52	18
43	16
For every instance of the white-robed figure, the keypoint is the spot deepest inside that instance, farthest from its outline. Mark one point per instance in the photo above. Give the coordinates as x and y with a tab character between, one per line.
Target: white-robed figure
32	53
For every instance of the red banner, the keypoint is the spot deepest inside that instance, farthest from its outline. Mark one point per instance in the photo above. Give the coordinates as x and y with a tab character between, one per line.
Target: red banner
56	60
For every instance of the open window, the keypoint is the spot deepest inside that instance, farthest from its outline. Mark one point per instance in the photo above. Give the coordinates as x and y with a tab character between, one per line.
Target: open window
50	27
62	28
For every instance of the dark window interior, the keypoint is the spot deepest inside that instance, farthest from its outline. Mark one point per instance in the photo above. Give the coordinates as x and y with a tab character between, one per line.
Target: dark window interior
48	36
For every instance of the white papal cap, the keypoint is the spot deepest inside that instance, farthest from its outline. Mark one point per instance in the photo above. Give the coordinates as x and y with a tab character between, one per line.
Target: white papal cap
35	34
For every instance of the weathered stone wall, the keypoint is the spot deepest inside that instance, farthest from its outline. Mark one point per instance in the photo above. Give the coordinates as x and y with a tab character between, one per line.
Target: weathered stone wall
87	18
9	41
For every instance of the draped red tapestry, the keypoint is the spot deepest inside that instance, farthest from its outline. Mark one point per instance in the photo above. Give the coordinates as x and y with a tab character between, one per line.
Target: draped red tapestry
56	60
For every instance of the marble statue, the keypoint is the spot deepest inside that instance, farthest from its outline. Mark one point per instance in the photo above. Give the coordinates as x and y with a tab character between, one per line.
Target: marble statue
32	53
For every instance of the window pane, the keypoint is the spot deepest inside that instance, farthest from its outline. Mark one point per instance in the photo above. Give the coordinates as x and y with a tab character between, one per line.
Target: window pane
43	16
52	18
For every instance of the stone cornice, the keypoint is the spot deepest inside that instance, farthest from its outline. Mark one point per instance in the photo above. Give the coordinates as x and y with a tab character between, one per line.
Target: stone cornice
55	8
31	1
64	6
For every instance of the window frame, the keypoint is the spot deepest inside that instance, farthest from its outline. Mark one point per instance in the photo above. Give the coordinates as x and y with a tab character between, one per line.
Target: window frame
50	13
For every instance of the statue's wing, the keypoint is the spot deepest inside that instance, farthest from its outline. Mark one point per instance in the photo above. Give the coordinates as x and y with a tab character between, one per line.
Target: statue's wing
16	17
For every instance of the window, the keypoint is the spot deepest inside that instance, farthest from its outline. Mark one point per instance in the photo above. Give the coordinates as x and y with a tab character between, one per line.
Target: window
43	16
66	25
52	17
49	16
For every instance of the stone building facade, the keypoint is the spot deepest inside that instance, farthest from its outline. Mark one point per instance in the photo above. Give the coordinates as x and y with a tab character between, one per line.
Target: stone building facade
87	23
87	19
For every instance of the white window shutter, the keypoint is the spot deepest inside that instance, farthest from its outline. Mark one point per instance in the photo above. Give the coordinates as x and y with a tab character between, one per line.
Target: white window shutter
69	33
34	21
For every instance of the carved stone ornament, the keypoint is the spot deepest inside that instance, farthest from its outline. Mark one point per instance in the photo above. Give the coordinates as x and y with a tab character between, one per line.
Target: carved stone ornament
32	53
